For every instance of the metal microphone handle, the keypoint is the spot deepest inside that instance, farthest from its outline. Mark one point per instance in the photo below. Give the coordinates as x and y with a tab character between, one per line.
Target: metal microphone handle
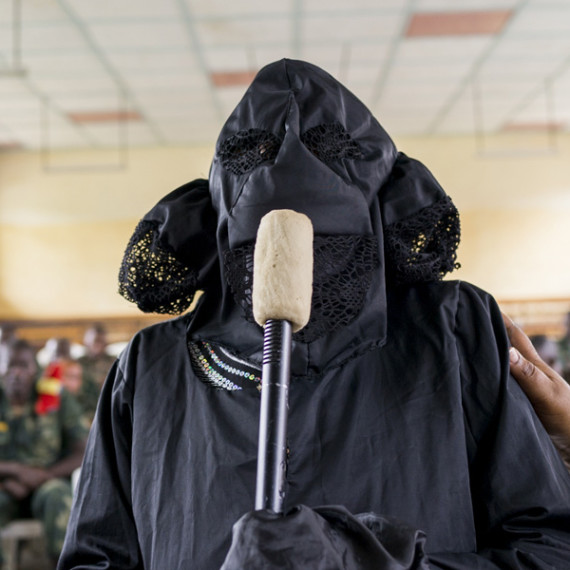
272	457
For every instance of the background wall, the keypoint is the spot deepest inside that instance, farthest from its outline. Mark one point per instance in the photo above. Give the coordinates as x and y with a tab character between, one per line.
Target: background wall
514	203
62	233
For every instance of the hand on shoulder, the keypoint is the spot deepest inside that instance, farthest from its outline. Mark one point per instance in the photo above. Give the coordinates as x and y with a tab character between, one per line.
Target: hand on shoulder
547	391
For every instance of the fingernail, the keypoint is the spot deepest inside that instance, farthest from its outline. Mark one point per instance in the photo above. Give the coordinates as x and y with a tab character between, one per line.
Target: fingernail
514	355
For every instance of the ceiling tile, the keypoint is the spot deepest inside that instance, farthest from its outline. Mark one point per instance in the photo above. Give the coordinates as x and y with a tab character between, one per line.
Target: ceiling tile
347	27
179	132
139	34
372	6
63	135
361	74
326	54
531	48
242	33
229	58
62	63
22	130
182	97
562	82
162	81
543	19
13	87
171	92
73	102
233	78
376	51
434	94
111	135
125	9
489	92
516	70
188	110
40	11
145	61
458	119
83	84
428	73
397	123
249	8
5	132
444	49
229	98
107	116
14	105
362	91
537	109
464	5
51	37
265	54
424	24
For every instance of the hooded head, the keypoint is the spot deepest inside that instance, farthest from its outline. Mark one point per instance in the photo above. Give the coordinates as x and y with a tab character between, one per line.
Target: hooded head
297	140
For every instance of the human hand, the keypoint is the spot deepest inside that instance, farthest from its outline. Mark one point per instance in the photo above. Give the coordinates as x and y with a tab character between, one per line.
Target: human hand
547	391
8	468
31	477
13	487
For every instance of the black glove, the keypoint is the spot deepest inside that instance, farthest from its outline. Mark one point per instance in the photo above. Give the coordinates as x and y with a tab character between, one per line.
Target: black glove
326	538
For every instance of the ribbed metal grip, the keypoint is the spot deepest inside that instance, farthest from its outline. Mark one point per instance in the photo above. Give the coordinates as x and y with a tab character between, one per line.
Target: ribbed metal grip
272	341
272	457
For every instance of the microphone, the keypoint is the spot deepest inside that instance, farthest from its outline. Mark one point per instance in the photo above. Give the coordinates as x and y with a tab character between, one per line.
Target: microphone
281	298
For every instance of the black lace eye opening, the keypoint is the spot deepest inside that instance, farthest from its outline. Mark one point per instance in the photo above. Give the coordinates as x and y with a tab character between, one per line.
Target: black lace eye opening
246	150
331	142
243	152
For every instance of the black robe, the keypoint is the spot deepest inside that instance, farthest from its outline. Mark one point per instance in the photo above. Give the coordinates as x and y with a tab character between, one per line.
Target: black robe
429	429
403	417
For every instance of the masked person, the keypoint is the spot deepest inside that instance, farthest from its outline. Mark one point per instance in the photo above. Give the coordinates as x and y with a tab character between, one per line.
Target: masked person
409	444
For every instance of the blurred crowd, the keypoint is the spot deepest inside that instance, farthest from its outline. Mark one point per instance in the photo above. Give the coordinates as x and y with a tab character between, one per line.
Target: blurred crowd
80	369
48	399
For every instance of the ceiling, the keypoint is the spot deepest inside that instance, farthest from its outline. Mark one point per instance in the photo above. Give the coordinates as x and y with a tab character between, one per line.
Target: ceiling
112	73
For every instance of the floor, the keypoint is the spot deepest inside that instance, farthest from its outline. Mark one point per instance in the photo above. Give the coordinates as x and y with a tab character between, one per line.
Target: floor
34	557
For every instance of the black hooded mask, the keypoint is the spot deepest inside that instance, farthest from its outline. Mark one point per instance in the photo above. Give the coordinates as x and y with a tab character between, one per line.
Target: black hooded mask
297	140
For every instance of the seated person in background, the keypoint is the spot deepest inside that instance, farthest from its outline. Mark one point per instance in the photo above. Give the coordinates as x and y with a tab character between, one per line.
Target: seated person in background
547	349
96	364
7	339
72	377
42	440
548	392
72	381
55	349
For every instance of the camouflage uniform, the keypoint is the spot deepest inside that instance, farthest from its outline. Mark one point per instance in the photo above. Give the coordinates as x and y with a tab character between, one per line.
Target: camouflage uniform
41	441
95	370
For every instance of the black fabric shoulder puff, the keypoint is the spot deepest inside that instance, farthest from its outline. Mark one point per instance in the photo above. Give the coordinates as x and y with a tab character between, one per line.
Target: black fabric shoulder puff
421	224
171	251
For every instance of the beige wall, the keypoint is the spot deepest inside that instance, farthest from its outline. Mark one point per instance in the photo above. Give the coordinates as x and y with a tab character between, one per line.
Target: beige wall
515	211
517	254
62	234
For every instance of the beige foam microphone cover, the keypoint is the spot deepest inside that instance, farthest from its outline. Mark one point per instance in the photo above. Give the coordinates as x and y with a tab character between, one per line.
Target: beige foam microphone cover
283	269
